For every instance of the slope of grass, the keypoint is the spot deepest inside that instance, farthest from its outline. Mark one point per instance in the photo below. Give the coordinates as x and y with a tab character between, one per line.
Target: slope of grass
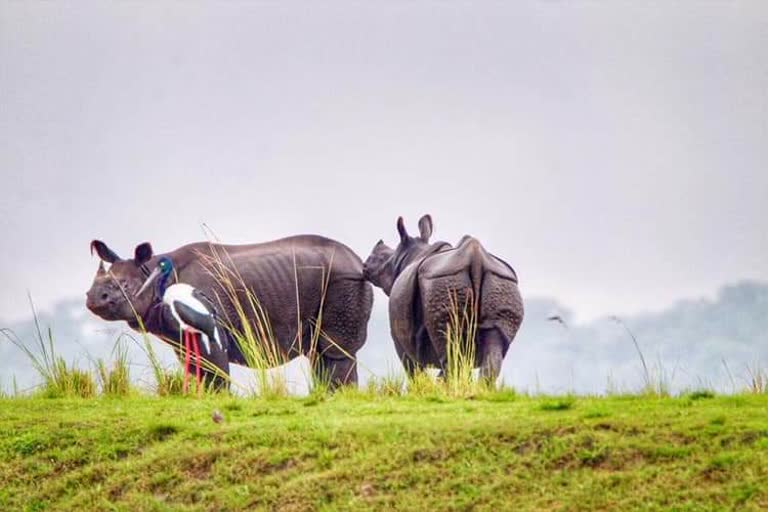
354	451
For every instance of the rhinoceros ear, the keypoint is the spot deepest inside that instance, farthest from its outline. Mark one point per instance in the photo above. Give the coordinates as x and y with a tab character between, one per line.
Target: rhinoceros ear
104	252
425	227
143	253
401	229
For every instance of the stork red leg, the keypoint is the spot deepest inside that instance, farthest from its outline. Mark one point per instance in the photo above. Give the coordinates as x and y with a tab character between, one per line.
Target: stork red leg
198	369
187	357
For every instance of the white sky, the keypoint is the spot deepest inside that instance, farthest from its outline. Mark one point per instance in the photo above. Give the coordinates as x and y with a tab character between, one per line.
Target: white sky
615	154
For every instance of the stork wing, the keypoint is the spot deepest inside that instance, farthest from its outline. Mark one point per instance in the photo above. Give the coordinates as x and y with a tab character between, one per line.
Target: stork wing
204	322
205	301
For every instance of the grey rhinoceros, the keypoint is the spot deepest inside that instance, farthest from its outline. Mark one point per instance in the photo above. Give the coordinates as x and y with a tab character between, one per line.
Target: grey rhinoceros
305	285
426	281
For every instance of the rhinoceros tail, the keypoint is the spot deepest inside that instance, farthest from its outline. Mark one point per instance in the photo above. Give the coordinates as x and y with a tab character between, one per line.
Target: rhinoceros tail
476	255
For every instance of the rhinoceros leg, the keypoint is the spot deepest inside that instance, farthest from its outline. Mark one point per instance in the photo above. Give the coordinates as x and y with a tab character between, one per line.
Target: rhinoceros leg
344	327
410	366
492	344
336	372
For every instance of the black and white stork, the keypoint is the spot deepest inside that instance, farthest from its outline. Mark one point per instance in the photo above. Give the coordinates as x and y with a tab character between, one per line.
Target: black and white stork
193	311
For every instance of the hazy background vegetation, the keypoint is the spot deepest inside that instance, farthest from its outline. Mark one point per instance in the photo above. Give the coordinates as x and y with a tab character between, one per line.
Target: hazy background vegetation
685	346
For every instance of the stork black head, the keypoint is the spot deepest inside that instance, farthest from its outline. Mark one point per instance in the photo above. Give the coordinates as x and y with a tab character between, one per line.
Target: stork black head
166	265
163	270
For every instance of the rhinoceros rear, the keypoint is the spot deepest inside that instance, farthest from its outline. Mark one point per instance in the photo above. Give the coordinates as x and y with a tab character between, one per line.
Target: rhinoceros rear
469	275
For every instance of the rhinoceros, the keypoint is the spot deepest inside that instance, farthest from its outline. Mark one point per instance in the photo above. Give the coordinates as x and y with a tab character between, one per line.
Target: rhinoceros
426	282
310	288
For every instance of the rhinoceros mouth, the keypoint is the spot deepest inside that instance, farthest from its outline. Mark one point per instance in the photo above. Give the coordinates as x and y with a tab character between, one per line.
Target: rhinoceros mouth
107	311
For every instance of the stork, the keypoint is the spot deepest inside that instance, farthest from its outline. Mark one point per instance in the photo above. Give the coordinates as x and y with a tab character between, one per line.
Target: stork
192	310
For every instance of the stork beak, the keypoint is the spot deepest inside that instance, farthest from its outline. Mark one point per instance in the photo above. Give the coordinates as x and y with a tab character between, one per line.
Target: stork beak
149	280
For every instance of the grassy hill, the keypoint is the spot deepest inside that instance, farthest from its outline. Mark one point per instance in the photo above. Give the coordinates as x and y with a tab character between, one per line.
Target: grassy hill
353	451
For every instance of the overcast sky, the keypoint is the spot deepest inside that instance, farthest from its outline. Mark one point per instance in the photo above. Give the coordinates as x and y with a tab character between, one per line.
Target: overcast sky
615	154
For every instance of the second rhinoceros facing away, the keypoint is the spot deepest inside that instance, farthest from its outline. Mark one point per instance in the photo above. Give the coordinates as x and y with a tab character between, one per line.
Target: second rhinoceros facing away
426	282
308	289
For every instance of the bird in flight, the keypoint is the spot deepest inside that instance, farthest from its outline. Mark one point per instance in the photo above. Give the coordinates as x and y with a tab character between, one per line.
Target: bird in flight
558	319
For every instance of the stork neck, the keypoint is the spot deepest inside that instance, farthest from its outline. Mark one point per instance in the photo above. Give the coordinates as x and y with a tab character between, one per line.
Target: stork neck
162	283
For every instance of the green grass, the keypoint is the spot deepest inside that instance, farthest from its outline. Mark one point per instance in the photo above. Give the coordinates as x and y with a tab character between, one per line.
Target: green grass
357	450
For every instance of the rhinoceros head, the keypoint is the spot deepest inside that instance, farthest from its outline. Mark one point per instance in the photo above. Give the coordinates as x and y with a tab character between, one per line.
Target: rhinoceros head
384	264
113	293
378	267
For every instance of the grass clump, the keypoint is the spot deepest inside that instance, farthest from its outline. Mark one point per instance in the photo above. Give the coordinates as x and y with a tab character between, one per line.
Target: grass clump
461	346
757	380
69	381
424	384
115	376
59	378
170	382
504	394
392	384
558	404
162	431
701	394
658	379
